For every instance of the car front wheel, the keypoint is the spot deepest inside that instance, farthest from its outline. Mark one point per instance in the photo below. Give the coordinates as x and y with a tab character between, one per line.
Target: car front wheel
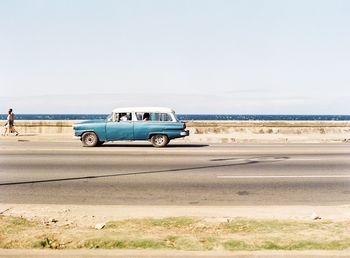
90	139
159	140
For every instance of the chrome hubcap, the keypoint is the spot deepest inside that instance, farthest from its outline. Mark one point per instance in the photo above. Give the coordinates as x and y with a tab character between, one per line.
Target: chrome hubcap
90	139
159	140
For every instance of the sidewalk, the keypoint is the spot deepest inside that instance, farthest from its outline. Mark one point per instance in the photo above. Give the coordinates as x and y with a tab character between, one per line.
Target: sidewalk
38	138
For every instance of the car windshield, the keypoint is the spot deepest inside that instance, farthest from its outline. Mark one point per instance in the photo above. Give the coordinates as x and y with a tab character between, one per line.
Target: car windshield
109	117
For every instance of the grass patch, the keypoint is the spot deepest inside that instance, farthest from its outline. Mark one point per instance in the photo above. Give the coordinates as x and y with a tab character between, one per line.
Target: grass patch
166	223
11	225
317	245
169	242
47	242
11	230
234	245
269	226
179	233
124	244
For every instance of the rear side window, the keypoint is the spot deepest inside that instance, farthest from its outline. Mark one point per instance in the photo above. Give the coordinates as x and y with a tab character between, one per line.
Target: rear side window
160	117
163	117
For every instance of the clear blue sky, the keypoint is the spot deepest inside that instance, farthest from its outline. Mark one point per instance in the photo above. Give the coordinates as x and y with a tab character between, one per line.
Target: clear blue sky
196	56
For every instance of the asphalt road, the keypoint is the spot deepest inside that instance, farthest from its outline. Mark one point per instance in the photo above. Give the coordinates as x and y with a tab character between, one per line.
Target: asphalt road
181	174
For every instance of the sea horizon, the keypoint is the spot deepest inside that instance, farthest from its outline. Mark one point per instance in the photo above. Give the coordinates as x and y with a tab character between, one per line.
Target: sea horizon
226	117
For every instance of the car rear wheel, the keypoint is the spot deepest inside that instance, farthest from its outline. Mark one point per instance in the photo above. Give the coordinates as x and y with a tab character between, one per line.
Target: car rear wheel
90	139
159	140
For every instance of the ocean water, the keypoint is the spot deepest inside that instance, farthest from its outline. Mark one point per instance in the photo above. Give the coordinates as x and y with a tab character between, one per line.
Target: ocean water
187	117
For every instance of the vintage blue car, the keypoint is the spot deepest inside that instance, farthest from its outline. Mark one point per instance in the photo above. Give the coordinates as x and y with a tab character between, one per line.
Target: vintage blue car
155	124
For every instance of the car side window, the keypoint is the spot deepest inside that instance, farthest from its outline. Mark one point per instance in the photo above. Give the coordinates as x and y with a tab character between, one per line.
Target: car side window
139	116
163	117
122	117
160	117
143	116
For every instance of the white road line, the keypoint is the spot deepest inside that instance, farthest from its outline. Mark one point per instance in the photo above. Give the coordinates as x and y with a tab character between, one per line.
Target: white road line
278	176
301	159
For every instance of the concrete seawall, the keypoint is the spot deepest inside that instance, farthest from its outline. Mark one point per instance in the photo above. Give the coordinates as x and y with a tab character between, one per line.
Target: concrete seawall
270	131
223	131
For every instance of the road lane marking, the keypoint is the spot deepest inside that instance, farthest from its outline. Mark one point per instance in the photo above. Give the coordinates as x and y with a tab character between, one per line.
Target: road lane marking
280	176
301	159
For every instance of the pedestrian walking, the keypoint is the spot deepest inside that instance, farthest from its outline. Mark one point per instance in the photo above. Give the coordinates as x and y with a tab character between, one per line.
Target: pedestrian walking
10	124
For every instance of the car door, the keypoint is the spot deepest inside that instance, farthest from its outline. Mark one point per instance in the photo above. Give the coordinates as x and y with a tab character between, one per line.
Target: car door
122	130
142	129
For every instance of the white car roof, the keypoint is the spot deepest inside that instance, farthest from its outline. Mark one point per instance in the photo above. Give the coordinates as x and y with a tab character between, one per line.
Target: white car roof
143	110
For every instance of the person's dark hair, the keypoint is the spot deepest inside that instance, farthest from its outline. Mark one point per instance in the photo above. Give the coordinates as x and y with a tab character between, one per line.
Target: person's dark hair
146	116
10	110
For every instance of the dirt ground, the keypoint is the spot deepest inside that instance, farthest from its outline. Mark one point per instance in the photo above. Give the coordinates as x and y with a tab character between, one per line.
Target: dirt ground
88	215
